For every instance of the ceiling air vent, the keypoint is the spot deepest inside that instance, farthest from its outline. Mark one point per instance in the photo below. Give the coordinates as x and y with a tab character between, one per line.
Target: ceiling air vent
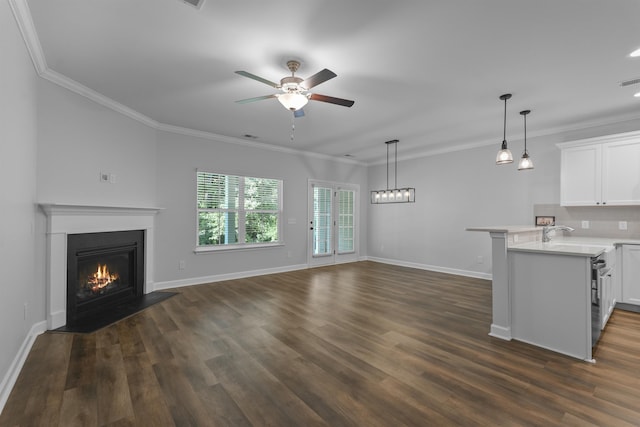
630	82
195	3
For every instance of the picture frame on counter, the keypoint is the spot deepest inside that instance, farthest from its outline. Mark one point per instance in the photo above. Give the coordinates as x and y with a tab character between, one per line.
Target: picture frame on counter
545	220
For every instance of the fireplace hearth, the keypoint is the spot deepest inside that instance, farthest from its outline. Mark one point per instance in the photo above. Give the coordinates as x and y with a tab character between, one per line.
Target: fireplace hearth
104	271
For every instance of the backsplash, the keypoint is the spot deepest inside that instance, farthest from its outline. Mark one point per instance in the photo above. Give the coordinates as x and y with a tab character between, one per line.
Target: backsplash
603	220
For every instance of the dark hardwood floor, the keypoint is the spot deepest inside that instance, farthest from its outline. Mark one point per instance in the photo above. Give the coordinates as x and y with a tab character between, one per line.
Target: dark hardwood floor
362	344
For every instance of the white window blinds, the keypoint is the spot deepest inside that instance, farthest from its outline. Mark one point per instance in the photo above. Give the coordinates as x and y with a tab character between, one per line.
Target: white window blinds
236	210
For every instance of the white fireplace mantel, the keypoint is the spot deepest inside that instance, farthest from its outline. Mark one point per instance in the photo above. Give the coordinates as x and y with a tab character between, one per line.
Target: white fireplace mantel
64	219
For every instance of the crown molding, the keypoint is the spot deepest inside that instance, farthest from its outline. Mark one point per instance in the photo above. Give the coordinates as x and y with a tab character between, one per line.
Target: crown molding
22	15
239	141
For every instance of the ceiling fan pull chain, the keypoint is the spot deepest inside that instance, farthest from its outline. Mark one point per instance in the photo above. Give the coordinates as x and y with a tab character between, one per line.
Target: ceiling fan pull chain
293	125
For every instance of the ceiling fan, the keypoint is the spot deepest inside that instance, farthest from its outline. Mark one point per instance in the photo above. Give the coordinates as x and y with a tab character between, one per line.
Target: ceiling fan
295	91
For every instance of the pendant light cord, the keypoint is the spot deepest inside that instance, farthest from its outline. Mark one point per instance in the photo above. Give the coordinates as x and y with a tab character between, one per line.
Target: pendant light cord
395	167
387	166
504	127
525	133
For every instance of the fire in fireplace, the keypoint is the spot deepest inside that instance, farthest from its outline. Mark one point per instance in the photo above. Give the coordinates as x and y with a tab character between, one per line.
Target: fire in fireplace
103	271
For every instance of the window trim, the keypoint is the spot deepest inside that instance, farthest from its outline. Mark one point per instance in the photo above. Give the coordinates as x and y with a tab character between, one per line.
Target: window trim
239	246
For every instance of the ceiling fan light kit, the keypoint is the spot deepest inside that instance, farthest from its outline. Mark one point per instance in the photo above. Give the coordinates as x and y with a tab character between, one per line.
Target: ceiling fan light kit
393	195
292	101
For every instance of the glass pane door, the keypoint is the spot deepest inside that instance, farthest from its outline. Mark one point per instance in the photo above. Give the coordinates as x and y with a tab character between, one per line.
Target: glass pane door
333	225
346	199
322	221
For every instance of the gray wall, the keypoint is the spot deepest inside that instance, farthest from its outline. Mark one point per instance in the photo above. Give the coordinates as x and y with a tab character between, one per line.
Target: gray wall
178	158
78	139
18	282
465	189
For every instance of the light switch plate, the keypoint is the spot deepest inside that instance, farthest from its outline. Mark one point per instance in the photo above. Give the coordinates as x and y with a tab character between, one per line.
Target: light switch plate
622	225
585	224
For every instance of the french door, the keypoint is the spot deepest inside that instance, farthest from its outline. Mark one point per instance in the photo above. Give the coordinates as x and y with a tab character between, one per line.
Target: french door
333	223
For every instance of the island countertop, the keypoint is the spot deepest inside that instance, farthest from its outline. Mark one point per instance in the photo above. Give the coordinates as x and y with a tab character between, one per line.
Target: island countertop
575	246
505	228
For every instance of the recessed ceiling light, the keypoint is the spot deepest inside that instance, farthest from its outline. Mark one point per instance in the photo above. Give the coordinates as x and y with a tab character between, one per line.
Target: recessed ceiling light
635	53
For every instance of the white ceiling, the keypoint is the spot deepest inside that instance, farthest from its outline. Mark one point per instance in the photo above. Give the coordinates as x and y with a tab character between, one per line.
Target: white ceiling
428	73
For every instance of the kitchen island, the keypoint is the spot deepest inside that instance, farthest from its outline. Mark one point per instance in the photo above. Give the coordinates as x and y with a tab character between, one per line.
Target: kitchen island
541	291
551	300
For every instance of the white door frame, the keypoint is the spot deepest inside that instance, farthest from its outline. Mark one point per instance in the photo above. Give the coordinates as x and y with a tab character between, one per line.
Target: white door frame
335	257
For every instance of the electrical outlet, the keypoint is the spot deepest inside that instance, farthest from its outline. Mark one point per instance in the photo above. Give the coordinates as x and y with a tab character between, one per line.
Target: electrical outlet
585	224
181	264
480	259
622	225
515	238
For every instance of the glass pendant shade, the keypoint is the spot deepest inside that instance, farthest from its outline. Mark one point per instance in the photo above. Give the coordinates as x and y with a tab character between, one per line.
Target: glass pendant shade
504	155
293	101
525	162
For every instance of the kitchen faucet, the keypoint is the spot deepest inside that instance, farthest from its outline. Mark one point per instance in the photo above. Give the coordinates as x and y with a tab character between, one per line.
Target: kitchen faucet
547	229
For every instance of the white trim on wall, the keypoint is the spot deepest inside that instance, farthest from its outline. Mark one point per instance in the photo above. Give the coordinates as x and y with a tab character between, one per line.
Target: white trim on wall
428	267
11	376
158	286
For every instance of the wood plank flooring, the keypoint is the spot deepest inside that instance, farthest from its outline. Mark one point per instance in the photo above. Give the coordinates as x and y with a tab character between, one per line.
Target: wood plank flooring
362	344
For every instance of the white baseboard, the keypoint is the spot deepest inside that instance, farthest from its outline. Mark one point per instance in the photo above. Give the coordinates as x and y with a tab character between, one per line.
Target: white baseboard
466	273
11	376
158	286
501	332
229	276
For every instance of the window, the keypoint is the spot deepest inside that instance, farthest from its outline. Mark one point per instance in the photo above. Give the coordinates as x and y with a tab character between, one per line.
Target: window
238	211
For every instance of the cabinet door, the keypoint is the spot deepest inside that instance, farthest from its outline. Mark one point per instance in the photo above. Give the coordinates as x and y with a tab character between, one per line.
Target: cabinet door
621	173
581	176
631	274
606	299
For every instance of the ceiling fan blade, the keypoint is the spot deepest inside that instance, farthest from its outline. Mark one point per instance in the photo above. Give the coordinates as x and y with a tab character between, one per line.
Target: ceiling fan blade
317	78
298	113
257	98
331	100
260	79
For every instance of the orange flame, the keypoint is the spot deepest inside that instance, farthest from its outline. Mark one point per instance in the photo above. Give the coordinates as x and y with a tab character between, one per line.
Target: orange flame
101	278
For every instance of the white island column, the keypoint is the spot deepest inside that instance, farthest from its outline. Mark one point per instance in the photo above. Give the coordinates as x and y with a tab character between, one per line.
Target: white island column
501	238
501	300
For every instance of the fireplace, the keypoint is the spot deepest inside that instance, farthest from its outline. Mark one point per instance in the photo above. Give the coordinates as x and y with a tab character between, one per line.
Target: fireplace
104	270
64	220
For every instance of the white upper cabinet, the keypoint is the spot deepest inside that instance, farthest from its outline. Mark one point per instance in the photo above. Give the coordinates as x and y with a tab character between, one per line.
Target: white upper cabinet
581	176
601	171
621	173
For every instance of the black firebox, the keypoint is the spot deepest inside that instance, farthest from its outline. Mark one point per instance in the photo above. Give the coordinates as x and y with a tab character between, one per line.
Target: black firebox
104	270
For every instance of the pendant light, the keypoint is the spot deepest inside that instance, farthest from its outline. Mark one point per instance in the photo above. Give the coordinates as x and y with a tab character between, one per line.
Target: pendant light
525	161
504	155
393	195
